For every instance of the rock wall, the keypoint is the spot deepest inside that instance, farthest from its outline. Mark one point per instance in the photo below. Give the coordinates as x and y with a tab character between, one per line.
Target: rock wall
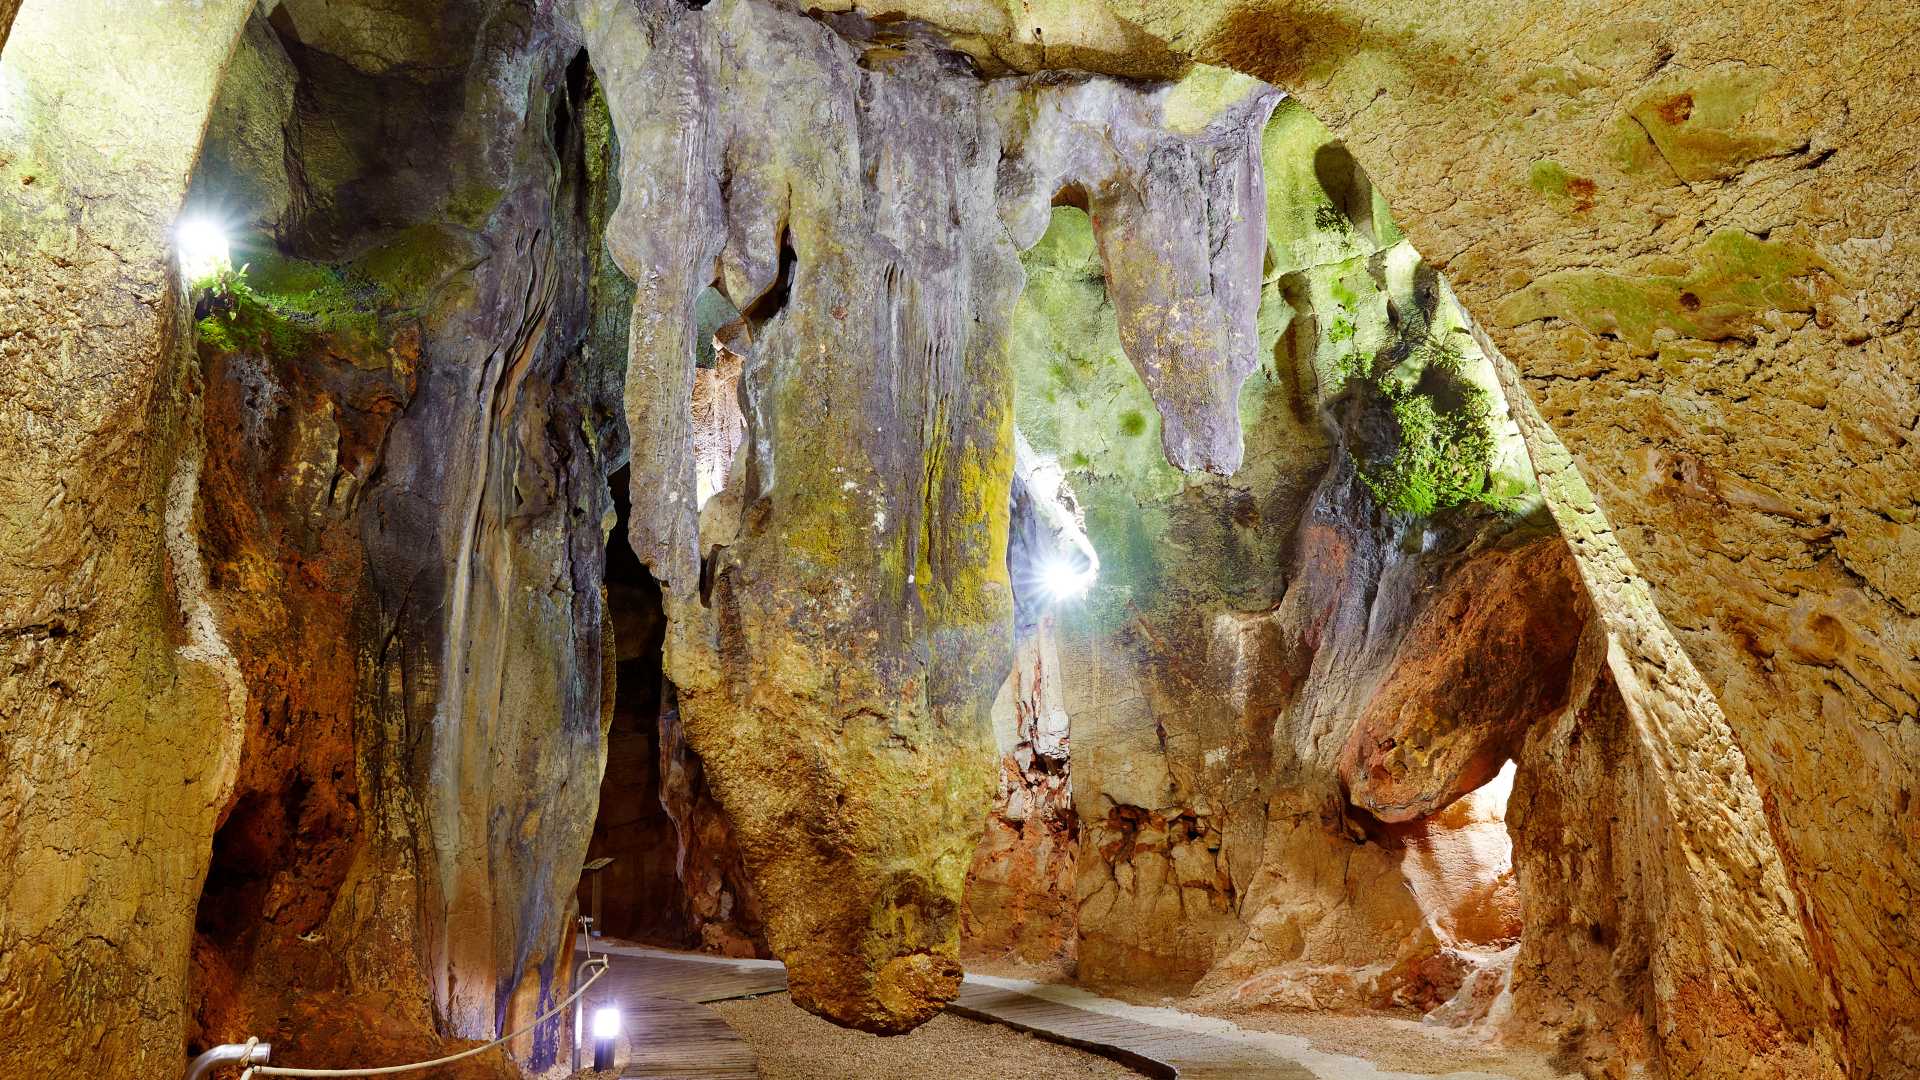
1687	226
859	216
1266	654
121	709
1019	898
1690	240
1292	450
367	700
416	431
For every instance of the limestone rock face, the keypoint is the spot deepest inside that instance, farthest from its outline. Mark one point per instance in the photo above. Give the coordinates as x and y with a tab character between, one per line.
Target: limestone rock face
405	514
1182	229
1701	265
837	634
121	710
1020	897
1247	632
343	565
834	659
307	673
1454	710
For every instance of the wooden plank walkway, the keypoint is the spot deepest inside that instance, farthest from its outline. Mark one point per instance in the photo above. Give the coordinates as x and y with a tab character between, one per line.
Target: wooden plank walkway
668	1033
1164	1053
669	1039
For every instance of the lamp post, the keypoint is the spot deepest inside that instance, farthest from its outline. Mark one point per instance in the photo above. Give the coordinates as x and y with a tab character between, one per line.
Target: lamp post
606	1029
579	977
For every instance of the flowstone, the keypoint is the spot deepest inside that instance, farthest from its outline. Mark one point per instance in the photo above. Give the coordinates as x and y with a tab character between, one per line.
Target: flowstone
840	616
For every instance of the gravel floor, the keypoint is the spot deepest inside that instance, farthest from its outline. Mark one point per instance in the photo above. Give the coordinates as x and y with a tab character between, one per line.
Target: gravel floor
1396	1043
796	1045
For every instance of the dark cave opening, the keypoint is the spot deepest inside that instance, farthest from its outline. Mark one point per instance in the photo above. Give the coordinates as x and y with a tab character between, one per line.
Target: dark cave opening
640	890
676	878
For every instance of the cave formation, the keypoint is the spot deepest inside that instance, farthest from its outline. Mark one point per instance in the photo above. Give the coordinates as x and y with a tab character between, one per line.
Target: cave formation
1333	510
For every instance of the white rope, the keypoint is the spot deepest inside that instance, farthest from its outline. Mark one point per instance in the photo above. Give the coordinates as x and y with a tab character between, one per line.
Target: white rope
598	962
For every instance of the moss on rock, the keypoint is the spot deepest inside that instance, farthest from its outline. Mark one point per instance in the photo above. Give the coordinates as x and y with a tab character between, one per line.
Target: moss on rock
282	307
1734	278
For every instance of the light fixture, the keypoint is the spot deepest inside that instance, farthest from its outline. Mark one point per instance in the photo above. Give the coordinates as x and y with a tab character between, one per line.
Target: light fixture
202	244
606	1028
606	1022
1064	581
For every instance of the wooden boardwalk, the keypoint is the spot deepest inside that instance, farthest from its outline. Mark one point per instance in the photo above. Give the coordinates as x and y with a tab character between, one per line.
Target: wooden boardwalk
689	981
669	1039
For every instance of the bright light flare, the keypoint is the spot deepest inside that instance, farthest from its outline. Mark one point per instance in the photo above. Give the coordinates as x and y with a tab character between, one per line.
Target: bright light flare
606	1022
202	244
1064	581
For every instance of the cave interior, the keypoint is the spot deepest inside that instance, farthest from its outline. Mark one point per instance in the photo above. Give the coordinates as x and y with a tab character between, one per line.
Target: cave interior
898	498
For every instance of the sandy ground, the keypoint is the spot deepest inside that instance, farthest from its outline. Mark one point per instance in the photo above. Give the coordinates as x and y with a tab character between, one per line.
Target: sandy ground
1392	1042
1384	1040
796	1045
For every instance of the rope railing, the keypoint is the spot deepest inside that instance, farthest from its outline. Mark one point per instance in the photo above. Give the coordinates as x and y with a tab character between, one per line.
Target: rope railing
598	964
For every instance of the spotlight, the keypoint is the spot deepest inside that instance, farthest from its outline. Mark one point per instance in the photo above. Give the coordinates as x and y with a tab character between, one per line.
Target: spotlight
202	243
1064	581
606	1028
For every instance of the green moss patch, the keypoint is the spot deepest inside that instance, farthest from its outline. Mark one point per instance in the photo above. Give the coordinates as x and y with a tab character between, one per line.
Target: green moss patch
1565	191
415	261
282	307
1735	278
1711	124
1439	444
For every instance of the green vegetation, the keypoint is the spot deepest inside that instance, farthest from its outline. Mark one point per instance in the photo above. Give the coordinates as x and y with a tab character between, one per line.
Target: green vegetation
1445	445
1347	313
283	306
1328	218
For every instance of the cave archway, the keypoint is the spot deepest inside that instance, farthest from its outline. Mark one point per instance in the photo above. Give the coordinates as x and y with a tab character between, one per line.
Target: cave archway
1224	641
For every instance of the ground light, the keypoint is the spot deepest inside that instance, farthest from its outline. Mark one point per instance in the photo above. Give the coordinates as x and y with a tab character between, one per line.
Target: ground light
606	1028
202	244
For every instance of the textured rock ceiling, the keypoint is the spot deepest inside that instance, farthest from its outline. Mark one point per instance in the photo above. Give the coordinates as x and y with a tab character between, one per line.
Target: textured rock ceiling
311	623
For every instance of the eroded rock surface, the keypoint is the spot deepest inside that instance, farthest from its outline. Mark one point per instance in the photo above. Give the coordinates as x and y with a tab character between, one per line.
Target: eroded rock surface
121	709
1693	242
1324	611
1245	631
1020	898
410	425
836	655
1696	247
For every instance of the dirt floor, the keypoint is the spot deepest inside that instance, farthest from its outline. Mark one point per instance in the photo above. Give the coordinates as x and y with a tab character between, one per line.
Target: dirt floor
1402	1044
1385	1040
796	1045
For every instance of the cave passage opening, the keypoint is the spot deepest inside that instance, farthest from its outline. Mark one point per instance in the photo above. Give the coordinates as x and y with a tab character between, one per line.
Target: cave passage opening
1459	864
640	892
676	878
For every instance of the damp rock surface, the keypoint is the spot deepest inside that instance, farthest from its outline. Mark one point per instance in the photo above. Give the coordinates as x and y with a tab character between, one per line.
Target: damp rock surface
836	655
1597	478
